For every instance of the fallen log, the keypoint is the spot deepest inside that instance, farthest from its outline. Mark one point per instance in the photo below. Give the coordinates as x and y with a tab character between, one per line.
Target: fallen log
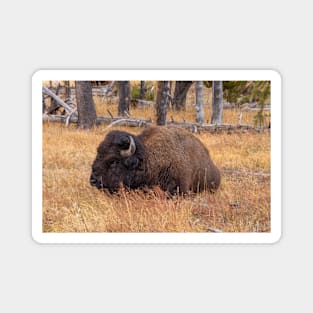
244	172
135	122
48	92
142	103
131	122
212	128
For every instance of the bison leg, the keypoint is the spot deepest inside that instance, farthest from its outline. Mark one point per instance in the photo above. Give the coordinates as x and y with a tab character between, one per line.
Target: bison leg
173	189
183	188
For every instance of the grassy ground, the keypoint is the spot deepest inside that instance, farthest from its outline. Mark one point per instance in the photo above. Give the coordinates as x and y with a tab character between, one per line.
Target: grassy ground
70	204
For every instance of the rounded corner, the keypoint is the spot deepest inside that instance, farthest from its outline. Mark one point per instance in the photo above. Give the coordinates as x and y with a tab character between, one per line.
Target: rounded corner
36	73
276	238
36	239
276	74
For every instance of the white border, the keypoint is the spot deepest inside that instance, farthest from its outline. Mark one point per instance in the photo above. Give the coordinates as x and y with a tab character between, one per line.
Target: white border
149	238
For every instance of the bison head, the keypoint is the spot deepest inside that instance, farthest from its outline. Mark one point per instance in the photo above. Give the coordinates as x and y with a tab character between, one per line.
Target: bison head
119	158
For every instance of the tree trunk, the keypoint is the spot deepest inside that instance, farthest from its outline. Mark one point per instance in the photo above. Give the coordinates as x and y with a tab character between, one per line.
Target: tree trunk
180	95
85	104
124	97
171	86
162	101
199	102
54	106
67	89
142	89
217	105
43	103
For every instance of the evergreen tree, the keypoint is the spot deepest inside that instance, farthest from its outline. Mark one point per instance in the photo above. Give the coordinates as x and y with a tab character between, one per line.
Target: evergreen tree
240	92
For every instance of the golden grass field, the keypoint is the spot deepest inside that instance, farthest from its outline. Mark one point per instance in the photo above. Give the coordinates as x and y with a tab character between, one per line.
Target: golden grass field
70	204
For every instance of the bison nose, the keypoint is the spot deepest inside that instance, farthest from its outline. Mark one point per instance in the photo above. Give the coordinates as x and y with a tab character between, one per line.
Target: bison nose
93	180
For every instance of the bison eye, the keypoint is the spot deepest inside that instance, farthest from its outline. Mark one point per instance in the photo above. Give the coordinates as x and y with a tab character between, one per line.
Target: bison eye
132	162
114	162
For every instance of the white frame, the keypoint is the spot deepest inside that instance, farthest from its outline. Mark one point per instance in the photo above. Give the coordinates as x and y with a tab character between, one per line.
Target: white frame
160	238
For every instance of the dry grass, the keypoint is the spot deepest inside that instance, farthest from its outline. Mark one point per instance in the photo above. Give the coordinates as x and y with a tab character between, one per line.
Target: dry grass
70	204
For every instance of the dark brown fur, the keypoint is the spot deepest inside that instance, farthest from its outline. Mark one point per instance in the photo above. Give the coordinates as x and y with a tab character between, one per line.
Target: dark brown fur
165	156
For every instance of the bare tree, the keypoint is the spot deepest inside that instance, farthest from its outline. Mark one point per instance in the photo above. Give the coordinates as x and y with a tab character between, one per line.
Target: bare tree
143	89
162	101
180	95
54	106
199	102
67	89
43	103
124	97
85	104
217	105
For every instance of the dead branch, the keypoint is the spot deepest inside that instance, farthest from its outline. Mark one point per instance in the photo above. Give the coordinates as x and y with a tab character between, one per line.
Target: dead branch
107	90
127	114
67	118
214	230
115	123
130	122
135	122
254	109
139	103
47	91
247	173
211	128
110	113
110	87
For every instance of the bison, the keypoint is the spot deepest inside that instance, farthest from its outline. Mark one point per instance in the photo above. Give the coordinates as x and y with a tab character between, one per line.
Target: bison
165	156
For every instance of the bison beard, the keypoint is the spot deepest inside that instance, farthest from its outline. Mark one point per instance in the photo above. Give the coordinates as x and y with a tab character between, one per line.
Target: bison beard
165	156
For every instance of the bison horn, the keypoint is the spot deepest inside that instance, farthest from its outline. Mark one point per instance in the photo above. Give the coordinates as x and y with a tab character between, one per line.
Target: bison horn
131	149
